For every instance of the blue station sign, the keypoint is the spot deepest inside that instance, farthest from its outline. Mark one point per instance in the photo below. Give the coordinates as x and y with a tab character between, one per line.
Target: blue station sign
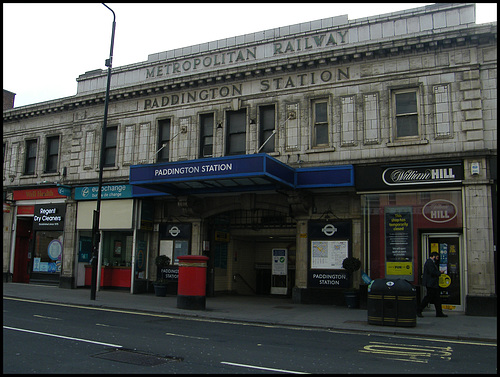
232	173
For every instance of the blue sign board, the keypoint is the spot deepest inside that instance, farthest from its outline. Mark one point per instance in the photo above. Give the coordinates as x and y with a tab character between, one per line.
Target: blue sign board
233	173
107	192
214	174
327	176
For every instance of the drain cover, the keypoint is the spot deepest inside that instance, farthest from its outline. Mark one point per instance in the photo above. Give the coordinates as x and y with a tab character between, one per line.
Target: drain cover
135	357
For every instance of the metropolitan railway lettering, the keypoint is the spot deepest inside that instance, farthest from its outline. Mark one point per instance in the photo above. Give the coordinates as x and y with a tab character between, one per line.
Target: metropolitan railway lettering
243	55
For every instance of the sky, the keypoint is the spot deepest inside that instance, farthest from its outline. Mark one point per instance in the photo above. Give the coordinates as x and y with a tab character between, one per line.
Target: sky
47	46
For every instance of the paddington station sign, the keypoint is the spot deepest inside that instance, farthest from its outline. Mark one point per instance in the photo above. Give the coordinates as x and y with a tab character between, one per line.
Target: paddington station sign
235	90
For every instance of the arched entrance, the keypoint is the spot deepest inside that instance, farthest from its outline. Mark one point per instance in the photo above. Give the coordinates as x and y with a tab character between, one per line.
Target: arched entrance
241	246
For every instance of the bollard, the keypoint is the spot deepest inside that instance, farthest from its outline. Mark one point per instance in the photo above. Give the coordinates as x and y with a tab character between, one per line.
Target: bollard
191	289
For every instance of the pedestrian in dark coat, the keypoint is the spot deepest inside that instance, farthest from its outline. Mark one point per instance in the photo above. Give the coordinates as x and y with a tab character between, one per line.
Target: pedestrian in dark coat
430	280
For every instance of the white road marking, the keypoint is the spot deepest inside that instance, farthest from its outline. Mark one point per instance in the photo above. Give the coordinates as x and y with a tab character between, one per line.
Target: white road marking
44	317
262	368
63	337
186	336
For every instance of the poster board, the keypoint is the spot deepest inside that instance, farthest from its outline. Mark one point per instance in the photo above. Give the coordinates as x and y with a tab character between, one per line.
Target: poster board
398	224
328	254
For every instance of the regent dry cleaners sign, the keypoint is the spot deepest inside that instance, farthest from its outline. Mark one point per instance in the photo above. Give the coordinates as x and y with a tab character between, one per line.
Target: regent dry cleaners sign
49	217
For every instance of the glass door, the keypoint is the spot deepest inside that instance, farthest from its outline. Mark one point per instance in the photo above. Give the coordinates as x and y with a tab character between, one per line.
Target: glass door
449	247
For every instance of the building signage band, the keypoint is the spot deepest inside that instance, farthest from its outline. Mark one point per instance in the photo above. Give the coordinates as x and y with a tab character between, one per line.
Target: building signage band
107	192
43	193
380	177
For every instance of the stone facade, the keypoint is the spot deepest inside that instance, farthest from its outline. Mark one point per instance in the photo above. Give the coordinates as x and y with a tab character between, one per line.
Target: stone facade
356	67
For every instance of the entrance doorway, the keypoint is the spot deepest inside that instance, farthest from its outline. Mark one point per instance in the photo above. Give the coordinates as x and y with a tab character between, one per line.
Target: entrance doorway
23	250
241	251
449	248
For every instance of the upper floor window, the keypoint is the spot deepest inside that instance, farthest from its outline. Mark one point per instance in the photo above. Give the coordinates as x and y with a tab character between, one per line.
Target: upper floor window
110	146
406	113
320	122
30	161
163	139
267	122
206	135
236	132
52	155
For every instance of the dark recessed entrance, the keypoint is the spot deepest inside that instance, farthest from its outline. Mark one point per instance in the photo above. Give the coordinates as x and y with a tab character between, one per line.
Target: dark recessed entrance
241	247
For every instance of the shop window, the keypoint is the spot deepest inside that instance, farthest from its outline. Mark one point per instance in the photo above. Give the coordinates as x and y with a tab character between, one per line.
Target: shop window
163	139
30	161
406	113
206	135
48	252
117	249
110	147
320	123
267	124
236	132
52	156
394	223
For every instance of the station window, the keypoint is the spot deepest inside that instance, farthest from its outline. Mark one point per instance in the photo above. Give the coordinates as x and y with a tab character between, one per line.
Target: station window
320	122
405	113
30	162
267	123
52	156
163	139
110	147
236	132
206	135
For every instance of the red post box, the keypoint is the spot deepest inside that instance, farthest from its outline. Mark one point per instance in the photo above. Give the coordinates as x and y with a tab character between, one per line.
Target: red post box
191	289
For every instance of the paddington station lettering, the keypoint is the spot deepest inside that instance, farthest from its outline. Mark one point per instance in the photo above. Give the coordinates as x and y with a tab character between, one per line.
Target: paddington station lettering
277	83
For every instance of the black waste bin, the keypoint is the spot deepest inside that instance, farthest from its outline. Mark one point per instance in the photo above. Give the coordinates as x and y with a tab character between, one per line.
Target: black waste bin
392	303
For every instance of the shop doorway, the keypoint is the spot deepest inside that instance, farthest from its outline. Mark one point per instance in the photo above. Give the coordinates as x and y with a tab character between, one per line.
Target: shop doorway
23	250
449	247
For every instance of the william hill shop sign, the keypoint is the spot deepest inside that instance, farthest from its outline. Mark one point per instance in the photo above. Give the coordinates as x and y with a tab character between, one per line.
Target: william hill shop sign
409	176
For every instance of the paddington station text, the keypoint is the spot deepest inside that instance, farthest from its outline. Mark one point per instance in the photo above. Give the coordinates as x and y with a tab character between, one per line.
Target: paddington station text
277	83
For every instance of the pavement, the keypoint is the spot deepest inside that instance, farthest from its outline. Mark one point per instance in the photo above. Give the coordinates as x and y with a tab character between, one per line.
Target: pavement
265	310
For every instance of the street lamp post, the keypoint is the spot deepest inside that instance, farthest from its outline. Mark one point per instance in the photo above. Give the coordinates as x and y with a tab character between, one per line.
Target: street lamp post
96	236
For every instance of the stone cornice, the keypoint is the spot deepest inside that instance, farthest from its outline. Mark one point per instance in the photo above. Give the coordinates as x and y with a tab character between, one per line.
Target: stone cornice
473	35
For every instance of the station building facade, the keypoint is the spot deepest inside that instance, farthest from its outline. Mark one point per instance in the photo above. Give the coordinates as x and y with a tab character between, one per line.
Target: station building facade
277	154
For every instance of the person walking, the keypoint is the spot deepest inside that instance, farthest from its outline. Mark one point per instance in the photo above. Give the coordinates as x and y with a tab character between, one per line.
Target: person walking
430	280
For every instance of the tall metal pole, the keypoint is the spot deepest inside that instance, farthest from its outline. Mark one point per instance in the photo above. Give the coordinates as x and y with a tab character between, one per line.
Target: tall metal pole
96	235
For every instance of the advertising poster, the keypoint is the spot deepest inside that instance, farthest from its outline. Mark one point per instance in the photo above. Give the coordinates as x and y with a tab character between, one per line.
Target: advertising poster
399	241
